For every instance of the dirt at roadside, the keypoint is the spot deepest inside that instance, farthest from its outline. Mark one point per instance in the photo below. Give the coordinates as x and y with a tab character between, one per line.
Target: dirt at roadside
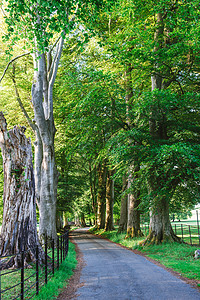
69	292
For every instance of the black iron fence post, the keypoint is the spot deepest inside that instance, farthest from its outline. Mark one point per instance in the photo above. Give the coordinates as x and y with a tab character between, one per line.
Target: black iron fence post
22	275
67	242
46	261
37	271
61	249
0	280
64	246
58	252
53	256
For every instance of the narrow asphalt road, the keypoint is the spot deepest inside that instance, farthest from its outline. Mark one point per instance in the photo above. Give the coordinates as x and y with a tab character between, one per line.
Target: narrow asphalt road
112	272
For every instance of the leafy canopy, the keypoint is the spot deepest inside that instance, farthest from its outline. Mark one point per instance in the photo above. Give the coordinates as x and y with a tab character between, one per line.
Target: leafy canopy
37	21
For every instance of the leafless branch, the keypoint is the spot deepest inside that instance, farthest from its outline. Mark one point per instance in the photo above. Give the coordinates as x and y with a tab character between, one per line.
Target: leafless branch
56	59
3	11
56	42
10	62
32	125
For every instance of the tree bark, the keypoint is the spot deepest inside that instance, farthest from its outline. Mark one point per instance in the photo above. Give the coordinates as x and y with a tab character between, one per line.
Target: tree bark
77	221
45	168
83	224
109	201
59	221
133	223
19	227
160	228
101	196
124	208
93	190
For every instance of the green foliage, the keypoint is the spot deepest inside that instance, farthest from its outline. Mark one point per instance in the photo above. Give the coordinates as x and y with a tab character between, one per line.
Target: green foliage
41	20
110	53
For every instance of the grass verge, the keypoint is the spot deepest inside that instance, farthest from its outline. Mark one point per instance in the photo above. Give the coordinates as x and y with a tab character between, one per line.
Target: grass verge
10	279
179	257
58	281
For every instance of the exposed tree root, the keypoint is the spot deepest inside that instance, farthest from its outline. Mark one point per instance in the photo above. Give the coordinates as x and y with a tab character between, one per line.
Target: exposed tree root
155	239
122	228
15	261
133	232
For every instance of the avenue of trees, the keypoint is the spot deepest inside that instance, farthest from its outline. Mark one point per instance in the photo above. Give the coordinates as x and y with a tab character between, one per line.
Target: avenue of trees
109	94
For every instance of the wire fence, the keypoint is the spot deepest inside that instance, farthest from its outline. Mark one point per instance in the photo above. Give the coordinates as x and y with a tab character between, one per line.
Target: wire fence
188	233
26	281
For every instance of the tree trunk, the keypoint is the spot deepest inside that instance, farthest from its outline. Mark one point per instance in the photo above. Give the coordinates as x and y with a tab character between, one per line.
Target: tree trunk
160	227
133	224
65	219
45	169
19	227
93	191
101	196
83	224
59	221
77	221
109	201
124	208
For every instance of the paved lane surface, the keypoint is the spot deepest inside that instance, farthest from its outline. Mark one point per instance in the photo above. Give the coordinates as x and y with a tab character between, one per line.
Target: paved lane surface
112	272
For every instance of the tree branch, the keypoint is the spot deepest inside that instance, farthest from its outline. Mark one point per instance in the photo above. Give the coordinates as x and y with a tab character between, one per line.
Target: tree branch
54	65
56	42
54	68
10	62
32	125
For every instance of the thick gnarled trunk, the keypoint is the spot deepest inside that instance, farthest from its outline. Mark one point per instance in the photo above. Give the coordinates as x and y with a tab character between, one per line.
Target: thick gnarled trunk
109	201
19	227
160	228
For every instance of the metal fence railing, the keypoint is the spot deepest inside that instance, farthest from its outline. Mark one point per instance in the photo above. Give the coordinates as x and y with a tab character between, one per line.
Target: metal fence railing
188	233
26	281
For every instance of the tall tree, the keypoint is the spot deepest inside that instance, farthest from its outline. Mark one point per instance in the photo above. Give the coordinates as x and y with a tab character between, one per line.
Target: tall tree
39	23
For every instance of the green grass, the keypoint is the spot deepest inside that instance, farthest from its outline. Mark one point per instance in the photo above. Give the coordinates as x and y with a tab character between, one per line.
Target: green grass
58	281
49	291
179	257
